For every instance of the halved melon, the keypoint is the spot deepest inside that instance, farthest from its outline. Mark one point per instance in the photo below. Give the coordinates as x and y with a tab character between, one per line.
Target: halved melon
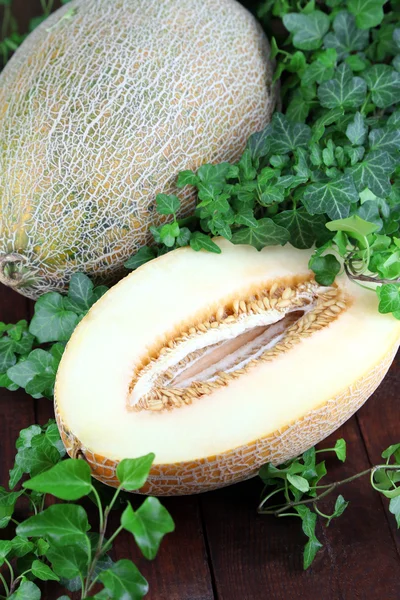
218	364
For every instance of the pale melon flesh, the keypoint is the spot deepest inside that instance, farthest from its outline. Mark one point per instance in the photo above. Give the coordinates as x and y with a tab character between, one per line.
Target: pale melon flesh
218	363
100	109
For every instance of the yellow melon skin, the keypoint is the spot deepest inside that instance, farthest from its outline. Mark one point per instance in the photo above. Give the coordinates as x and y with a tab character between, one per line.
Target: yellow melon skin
270	413
101	108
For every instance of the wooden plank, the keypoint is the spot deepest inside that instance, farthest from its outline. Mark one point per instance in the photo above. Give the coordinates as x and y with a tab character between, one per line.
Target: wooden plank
259	557
380	426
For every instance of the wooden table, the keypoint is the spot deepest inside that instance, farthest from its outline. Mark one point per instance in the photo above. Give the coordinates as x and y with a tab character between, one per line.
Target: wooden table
223	550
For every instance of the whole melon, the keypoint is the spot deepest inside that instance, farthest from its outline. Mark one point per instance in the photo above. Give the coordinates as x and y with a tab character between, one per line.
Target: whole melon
100	109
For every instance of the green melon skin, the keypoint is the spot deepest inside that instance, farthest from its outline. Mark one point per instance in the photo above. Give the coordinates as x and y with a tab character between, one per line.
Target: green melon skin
100	109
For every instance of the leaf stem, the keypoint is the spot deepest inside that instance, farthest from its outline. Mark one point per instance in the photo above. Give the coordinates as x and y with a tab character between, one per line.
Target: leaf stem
6	588
98	501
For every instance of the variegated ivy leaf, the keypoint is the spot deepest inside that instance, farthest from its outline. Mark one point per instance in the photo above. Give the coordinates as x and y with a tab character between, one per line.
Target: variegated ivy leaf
343	91
373	173
332	197
267	233
346	37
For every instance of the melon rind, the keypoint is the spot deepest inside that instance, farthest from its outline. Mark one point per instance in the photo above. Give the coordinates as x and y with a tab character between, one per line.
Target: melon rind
100	109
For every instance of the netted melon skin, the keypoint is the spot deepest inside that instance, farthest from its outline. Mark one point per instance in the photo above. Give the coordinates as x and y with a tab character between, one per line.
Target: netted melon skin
101	108
239	464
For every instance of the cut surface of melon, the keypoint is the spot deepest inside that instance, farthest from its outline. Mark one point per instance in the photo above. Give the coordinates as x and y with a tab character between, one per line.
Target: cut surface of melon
217	364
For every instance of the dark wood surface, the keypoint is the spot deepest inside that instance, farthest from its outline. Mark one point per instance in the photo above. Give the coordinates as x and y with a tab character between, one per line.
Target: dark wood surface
223	550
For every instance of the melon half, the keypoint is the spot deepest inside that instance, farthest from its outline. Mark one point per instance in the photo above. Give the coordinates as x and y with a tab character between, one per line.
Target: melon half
100	109
218	363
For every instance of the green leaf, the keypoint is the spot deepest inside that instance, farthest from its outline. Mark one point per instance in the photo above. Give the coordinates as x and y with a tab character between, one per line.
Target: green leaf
394	508
332	197
368	13
393	450
187	178
201	241
267	233
389	298
167	205
26	591
41	547
270	194
68	480
287	136
309	520
51	323
132	473
373	173
148	525
61	524
246	170
68	561
124	581
21	547
5	549
168	234
355	226
300	483
340	449
384	84
7	355
80	292
343	91
308	30
325	268
301	225
340	506
385	139
42	455
142	256
356	130
347	38
43	571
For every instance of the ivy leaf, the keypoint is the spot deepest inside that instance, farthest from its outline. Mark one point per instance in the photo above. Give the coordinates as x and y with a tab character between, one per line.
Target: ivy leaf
21	547
373	173
39	457
60	524
245	216
36	373
132	473
124	581
80	292
389	298
267	233
308	29
201	241
356	130
68	480
287	136
301	226
384	84
43	571
26	591
7	355
343	91
340	507
270	194
385	139
68	561
7	506
167	205
142	256
331	197
258	143
51	322
325	268
309	521
186	178
168	234
300	483
368	13
347	37
5	549
394	508
148	525
340	449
